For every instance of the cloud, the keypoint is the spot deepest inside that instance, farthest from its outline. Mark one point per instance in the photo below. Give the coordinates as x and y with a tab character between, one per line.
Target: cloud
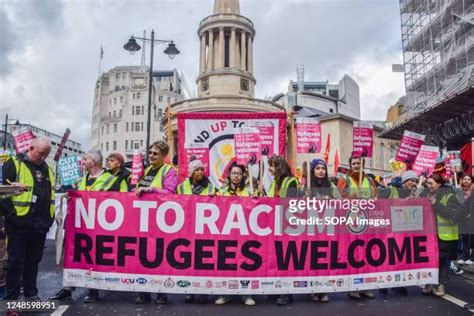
49	53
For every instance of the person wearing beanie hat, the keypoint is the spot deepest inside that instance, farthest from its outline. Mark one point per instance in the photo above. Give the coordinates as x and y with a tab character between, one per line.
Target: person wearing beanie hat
115	165
409	175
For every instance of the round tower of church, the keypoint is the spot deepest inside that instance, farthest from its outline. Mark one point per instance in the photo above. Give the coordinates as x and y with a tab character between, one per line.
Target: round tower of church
226	57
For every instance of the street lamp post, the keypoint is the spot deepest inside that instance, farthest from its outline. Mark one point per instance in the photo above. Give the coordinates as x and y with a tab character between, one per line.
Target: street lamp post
132	46
6	130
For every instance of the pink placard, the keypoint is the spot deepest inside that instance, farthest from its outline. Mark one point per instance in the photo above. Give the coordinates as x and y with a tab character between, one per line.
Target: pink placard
362	137
267	133
426	160
201	154
23	138
137	168
410	146
178	243
308	135
247	146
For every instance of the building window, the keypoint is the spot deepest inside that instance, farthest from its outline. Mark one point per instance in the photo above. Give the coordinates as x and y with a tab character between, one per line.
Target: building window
120	113
115	100
102	130
136	145
160	98
133	96
141	126
143	110
131	126
133	110
107	146
161	128
121	99
124	74
107	128
115	128
117	76
139	95
114	145
168	100
102	147
141	142
115	113
110	114
126	144
160	112
126	126
117	88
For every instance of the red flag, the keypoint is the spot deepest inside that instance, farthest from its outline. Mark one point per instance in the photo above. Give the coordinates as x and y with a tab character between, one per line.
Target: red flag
327	150
336	162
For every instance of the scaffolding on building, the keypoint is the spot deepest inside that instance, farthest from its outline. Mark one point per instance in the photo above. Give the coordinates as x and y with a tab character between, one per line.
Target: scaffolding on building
438	53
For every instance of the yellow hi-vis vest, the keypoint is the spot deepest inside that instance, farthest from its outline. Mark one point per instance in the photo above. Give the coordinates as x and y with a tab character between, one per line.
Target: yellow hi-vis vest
225	191
447	230
393	193
22	202
102	183
354	188
160	176
186	188
284	186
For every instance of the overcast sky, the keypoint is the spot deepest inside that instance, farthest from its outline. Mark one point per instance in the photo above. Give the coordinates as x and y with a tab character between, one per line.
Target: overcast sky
49	50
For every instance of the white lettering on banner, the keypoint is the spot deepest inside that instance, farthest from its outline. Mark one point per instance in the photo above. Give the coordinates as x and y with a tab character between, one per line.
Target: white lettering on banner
209	221
312	213
144	207
253	220
278	221
299	228
88	215
240	223
119	214
179	219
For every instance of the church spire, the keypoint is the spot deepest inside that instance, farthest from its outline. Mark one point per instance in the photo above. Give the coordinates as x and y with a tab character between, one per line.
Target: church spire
226	6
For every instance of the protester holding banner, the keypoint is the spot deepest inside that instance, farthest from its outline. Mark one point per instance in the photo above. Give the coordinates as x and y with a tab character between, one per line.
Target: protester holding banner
447	209
96	178
321	187
464	244
159	178
197	184
284	185
357	185
236	186
115	166
28	217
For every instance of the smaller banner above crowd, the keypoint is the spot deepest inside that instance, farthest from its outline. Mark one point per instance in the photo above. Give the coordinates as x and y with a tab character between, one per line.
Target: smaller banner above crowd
409	148
69	170
23	138
247	146
426	160
267	135
308	135
363	135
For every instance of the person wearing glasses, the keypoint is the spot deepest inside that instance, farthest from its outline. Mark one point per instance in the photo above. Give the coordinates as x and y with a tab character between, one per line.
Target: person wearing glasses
196	184
349	187
236	186
158	178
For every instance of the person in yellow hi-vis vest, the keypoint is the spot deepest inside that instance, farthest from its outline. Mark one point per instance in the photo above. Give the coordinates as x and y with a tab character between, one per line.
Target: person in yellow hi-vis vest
28	217
159	178
349	187
284	185
236	186
196	184
447	208
96	178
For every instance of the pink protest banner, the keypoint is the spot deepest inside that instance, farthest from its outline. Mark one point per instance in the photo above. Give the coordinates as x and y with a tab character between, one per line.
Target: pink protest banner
267	134
23	138
231	245
247	146
308	134
426	160
215	131
409	147
137	167
363	138
202	154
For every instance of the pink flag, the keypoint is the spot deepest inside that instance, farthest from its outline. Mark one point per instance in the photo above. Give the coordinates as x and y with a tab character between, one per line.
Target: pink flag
23	139
194	152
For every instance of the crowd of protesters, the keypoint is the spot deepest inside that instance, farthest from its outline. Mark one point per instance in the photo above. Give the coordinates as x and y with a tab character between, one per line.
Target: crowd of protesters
28	216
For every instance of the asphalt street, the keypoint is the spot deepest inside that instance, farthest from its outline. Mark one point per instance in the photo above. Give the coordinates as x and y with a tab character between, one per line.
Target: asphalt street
460	290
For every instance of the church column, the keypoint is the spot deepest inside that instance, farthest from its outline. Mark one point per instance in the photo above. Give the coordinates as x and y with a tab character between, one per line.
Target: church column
250	54
243	50
210	60
220	64
202	64
232	49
